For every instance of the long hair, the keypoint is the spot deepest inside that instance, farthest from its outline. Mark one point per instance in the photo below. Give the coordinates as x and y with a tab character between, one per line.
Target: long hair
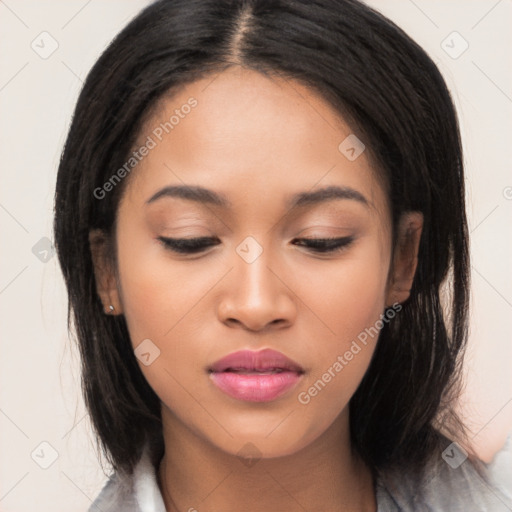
390	92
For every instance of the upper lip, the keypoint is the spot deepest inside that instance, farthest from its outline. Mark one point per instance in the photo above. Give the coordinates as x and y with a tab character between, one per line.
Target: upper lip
249	360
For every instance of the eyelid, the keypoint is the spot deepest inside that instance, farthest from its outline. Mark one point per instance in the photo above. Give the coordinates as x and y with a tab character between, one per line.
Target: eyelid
317	245
192	245
327	245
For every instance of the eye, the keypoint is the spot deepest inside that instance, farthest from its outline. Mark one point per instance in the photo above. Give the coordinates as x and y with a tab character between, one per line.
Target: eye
188	245
195	245
325	245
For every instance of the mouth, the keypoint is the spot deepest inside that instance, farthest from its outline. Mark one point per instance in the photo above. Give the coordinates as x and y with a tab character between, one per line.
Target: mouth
255	376
256	371
247	361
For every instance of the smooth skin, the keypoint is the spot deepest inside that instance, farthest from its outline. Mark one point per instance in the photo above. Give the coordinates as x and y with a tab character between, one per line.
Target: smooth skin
258	141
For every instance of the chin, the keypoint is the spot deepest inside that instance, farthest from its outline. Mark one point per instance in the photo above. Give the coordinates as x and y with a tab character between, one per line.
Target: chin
255	446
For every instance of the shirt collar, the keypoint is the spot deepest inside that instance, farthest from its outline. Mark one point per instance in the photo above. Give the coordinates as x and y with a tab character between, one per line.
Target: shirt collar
145	485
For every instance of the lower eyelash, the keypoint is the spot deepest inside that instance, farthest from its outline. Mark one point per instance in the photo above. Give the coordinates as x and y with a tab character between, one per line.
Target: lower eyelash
194	245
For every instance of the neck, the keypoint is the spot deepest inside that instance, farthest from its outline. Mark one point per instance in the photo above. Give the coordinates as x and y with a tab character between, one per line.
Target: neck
325	475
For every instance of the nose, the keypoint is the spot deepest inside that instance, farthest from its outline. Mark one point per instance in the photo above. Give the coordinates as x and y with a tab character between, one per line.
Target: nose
257	295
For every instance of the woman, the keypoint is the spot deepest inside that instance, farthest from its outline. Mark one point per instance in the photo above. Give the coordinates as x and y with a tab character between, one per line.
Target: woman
260	218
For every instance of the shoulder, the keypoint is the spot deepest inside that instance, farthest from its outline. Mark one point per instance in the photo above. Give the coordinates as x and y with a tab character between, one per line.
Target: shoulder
117	495
138	492
451	482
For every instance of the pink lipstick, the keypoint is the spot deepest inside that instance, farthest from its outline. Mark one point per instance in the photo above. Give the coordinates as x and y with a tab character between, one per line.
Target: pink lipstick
255	376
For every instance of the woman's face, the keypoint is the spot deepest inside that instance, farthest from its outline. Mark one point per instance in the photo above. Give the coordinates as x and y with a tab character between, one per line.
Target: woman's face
259	144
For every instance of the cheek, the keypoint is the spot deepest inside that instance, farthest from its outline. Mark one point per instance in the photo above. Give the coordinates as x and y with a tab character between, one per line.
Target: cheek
349	299
158	295
347	294
161	301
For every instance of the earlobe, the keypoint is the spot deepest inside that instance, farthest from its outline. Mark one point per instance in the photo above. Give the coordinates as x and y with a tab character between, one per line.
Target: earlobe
405	258
106	284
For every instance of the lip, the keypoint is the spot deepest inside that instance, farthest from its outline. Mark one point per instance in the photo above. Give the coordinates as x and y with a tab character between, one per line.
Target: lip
262	360
255	376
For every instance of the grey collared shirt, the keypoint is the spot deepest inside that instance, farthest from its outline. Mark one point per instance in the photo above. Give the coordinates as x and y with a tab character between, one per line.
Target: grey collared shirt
451	487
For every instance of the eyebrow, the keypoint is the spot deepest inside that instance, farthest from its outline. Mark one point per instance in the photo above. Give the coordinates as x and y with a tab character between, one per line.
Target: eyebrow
206	196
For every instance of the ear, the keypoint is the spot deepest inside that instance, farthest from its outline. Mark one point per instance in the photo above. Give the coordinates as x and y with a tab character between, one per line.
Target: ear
405	257
104	273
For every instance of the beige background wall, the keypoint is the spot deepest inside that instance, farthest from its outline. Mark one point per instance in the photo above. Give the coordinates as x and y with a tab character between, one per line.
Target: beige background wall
39	391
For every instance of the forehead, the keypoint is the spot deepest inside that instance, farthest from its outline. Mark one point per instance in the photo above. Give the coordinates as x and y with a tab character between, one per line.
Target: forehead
251	136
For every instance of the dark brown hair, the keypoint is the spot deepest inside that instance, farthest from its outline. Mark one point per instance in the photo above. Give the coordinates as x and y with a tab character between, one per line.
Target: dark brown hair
393	96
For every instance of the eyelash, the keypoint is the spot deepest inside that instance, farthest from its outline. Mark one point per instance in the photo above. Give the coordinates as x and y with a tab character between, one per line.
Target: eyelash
195	245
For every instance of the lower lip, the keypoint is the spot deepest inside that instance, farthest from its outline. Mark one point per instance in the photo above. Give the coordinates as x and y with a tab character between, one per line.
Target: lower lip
255	387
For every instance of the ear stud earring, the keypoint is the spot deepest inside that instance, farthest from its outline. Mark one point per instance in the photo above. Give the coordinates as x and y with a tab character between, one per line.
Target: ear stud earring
110	309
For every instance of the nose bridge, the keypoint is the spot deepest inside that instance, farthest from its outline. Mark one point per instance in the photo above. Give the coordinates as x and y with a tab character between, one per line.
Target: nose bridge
256	295
251	269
